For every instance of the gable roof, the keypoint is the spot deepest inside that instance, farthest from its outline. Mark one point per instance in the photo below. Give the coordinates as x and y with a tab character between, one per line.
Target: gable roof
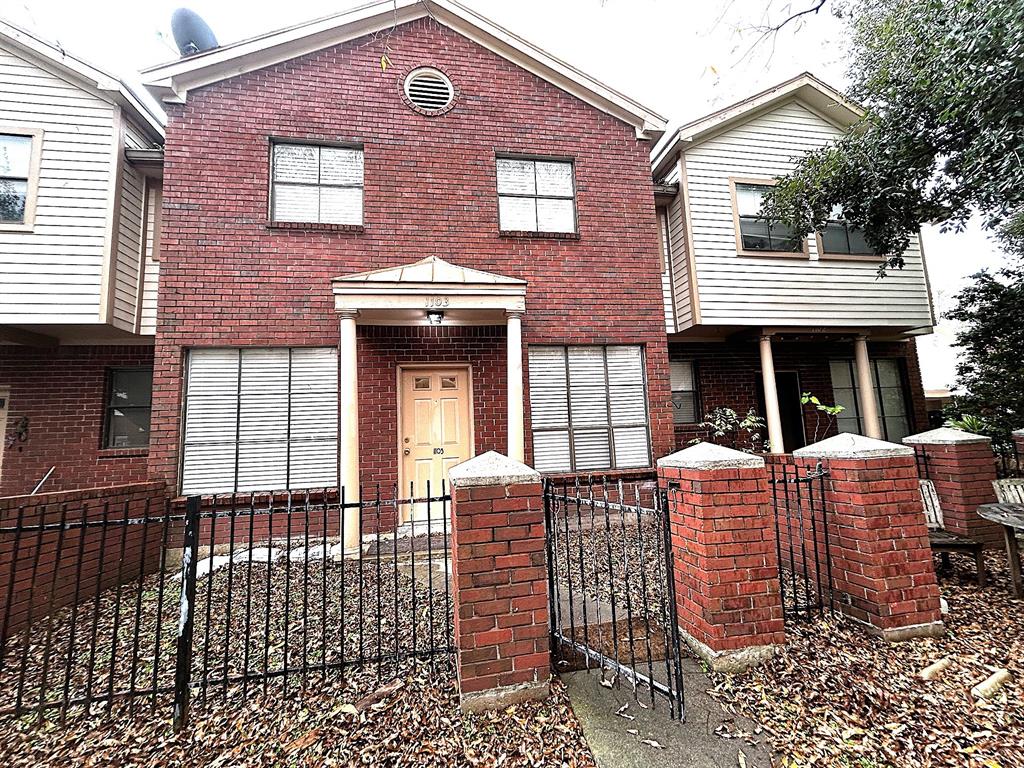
173	81
432	269
823	99
80	71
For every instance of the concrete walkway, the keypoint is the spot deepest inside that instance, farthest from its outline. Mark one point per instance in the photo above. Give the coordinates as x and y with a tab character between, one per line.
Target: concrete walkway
692	744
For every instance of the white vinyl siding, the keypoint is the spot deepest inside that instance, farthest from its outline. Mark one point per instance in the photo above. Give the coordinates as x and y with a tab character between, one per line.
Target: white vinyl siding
260	420
666	271
755	290
536	195
147	324
317	184
129	256
53	274
588	408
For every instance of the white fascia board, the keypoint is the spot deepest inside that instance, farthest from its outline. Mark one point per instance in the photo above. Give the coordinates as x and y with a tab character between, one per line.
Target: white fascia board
173	81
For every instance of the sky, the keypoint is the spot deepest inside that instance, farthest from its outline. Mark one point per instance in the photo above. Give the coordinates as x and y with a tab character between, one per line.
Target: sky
679	57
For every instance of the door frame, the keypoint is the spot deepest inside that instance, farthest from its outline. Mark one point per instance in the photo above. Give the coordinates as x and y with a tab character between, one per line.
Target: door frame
401	369
799	394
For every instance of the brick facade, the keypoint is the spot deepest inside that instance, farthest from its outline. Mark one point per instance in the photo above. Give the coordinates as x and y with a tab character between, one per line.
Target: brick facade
63	393
725	558
52	567
729	375
229	279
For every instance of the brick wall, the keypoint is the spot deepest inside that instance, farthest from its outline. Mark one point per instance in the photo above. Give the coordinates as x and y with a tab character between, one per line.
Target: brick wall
729	375
228	279
39	566
63	392
499	574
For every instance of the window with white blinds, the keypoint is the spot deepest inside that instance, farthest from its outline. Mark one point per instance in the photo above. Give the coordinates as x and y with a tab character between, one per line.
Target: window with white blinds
536	195
588	408
684	392
317	185
260	419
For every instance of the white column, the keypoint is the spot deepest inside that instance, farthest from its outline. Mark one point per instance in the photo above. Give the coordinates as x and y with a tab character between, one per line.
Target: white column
348	427
866	390
516	432
771	396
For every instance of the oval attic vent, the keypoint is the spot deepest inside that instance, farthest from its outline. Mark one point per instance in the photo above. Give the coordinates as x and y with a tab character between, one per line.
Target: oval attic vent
429	90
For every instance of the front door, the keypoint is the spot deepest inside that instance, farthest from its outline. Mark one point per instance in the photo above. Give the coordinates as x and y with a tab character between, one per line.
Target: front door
435	431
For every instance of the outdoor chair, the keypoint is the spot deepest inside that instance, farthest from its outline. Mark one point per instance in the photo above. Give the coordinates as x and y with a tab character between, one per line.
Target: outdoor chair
944	542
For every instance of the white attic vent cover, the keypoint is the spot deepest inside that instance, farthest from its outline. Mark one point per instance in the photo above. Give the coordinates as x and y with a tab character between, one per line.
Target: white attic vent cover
429	90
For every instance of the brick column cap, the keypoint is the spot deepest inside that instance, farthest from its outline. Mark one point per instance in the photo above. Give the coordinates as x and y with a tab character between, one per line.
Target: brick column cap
491	468
851	446
710	456
945	436
1018	433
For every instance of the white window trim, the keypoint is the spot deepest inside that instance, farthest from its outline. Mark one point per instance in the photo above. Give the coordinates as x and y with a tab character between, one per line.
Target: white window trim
36	134
272	184
539	159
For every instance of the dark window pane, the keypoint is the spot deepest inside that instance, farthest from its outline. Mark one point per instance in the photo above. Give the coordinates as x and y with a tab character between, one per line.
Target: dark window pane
131	387
784	238
128	428
754	233
833	239
858	244
12	200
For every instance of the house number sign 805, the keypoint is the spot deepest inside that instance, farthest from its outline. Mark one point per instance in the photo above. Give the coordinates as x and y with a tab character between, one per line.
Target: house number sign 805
437	301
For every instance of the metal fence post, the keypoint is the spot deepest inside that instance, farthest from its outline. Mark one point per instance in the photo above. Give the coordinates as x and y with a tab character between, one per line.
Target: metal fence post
183	664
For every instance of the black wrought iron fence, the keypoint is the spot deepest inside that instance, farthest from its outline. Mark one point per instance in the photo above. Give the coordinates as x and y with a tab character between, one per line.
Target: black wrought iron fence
612	587
238	592
803	540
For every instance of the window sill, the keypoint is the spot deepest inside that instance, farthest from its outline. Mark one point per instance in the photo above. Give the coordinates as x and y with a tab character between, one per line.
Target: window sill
528	234
776	254
636	474
122	453
869	257
313	226
11	227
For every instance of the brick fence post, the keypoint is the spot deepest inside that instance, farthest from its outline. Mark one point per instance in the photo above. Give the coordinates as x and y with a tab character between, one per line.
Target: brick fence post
724	555
962	467
502	641
881	560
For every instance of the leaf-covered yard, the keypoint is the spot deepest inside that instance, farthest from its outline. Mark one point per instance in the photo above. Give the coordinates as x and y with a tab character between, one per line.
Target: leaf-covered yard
838	697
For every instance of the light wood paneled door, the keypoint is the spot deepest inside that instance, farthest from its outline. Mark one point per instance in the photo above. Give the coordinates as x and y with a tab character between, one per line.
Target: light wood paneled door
435	431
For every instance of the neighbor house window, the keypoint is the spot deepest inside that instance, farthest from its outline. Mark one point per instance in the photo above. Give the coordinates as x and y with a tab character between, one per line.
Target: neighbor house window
684	392
19	171
756	233
840	239
588	408
317	184
890	392
129	403
536	196
260	420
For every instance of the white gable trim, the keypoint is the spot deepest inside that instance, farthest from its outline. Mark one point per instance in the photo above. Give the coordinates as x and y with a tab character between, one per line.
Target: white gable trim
81	74
173	81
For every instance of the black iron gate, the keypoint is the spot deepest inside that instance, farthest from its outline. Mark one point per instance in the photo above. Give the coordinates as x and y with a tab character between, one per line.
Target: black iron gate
803	540
613	602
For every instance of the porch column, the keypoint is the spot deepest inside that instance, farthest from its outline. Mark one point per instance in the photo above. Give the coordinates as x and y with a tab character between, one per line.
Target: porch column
348	426
516	438
771	396
866	389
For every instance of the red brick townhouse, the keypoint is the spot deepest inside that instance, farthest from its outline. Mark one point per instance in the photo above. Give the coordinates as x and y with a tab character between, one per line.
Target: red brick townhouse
756	317
394	238
79	215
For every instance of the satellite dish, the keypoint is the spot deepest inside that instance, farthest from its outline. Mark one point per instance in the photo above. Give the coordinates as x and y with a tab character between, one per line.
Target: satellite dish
191	33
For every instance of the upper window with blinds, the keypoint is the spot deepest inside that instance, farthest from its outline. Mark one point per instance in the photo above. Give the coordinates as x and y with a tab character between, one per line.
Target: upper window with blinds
684	392
756	233
19	177
260	420
588	408
316	184
536	196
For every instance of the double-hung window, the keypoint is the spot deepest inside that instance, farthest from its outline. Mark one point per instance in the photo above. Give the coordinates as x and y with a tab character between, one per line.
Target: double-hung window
890	392
19	172
314	184
588	408
260	419
755	232
684	392
840	239
129	403
536	196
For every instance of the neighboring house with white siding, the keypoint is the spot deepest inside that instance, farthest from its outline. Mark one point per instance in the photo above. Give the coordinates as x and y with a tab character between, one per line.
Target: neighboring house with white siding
80	176
755	316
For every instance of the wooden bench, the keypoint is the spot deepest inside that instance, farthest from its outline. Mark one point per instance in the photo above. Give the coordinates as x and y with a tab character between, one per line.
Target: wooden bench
944	542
